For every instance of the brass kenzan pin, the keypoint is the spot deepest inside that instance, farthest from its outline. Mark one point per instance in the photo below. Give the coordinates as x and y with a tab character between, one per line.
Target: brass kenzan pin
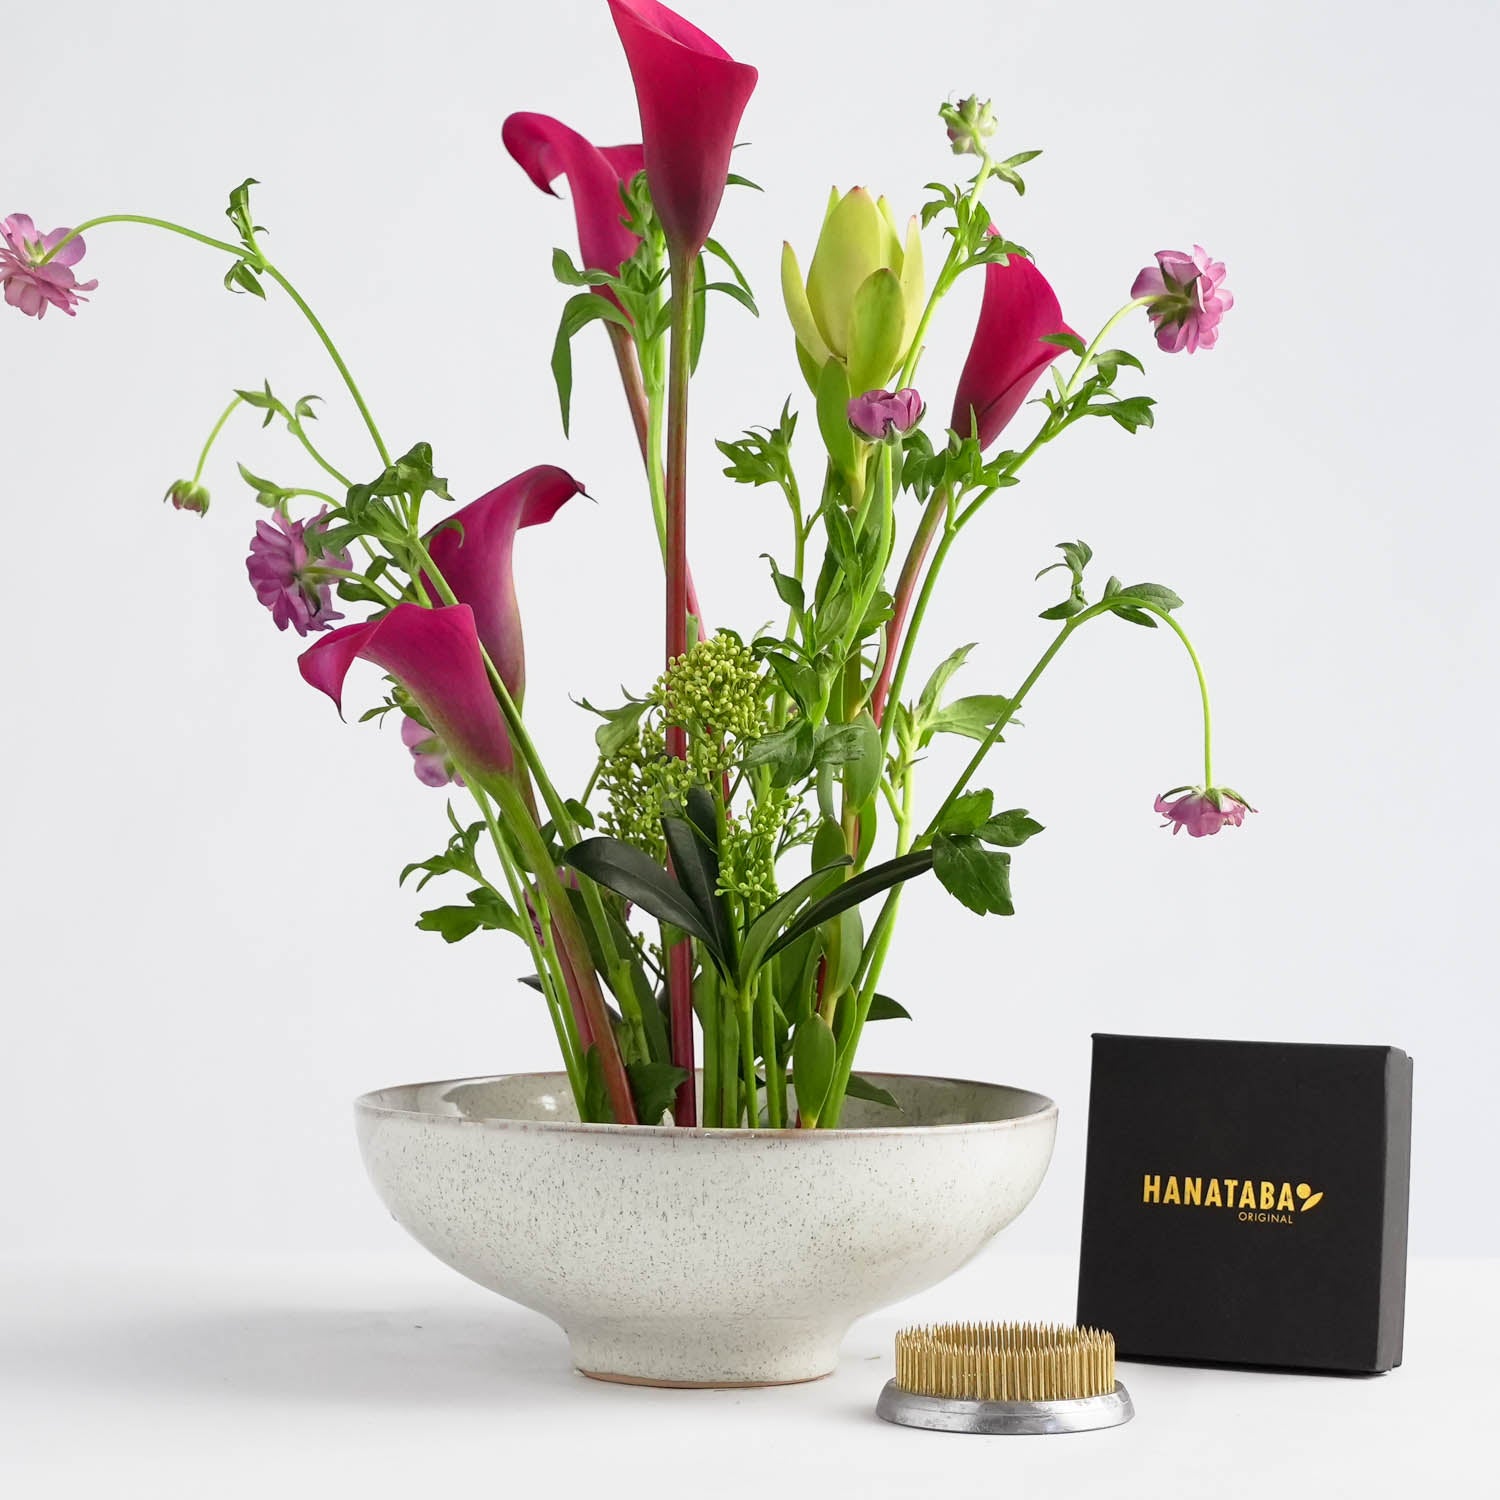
1005	1378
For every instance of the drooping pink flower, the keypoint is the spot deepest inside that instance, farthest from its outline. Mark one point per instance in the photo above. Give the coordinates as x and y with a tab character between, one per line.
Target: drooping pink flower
1190	299
184	494
472	550
1202	810
434	654
546	149
1018	311
881	414
691	94
430	759
284	557
31	286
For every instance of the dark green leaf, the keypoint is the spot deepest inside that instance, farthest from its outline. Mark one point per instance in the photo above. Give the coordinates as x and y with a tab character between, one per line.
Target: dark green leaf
1068	341
653	1086
789	752
621	726
695	866
578	312
1153	593
485	910
883	1008
851	892
861	1088
977	876
1009	829
628	872
758	937
964	814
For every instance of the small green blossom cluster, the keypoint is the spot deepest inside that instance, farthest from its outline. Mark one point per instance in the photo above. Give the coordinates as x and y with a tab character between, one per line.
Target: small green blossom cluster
717	692
751	845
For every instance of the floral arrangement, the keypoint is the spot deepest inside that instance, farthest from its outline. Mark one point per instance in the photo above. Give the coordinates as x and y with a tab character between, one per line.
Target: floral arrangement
711	881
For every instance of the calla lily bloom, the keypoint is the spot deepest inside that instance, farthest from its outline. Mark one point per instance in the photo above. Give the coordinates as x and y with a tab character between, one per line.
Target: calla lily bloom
546	149
472	550
691	94
434	654
1007	356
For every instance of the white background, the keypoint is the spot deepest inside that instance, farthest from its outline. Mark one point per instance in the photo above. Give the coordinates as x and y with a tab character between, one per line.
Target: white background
206	953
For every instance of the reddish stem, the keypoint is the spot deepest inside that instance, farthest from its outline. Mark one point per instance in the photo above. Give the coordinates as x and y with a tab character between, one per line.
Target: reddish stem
640	418
906	588
680	957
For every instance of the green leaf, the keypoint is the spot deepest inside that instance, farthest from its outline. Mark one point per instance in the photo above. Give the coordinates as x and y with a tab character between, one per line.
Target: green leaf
851	892
653	1086
755	943
861	1088
621	726
861	770
628	872
883	1008
977	876
1068	341
966	813
485	910
788	590
789	752
1009	829
578	312
814	1056
566	272
939	679
596	1108
695	866
971	717
240	278
738	293
833	415
1153	593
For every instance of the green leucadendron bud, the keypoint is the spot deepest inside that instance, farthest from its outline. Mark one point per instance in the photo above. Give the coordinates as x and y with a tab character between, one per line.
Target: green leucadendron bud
863	296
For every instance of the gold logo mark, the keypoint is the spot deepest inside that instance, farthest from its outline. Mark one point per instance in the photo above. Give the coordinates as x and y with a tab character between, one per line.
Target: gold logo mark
1256	1200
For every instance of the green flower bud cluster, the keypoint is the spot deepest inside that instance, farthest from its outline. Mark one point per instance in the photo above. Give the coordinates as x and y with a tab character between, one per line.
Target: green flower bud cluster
717	693
747	855
970	122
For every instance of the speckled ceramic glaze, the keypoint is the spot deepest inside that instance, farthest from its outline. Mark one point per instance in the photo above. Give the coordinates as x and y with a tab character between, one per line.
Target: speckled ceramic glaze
703	1257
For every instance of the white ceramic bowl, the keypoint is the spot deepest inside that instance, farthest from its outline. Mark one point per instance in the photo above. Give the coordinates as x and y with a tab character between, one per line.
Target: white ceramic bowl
703	1257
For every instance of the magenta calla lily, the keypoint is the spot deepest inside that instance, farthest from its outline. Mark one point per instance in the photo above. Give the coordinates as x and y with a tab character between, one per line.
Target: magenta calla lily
546	149
1007	356
434	654
472	550
691	94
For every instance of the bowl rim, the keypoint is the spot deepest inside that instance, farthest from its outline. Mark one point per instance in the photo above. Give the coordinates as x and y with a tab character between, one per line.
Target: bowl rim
368	1105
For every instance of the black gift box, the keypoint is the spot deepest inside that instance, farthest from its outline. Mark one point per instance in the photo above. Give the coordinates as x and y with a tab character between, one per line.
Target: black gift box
1245	1202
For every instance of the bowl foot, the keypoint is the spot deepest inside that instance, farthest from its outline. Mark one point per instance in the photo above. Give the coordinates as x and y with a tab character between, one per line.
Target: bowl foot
706	1353
699	1385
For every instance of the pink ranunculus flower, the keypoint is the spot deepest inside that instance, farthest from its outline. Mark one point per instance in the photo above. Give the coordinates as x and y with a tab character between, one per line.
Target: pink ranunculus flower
1008	354
283	555
31	286
430	758
878	415
1202	810
434	654
691	94
546	149
1190	299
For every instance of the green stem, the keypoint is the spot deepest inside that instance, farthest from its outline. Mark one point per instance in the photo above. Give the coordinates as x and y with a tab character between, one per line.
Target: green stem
1208	720
335	356
192	234
317	458
1076	378
775	1070
945	277
213	437
747	1057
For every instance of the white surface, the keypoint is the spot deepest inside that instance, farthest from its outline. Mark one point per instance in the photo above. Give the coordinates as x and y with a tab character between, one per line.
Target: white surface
198	894
391	1376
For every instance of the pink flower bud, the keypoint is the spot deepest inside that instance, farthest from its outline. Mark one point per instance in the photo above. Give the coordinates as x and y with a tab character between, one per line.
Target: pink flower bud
430	758
185	495
1202	810
878	415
